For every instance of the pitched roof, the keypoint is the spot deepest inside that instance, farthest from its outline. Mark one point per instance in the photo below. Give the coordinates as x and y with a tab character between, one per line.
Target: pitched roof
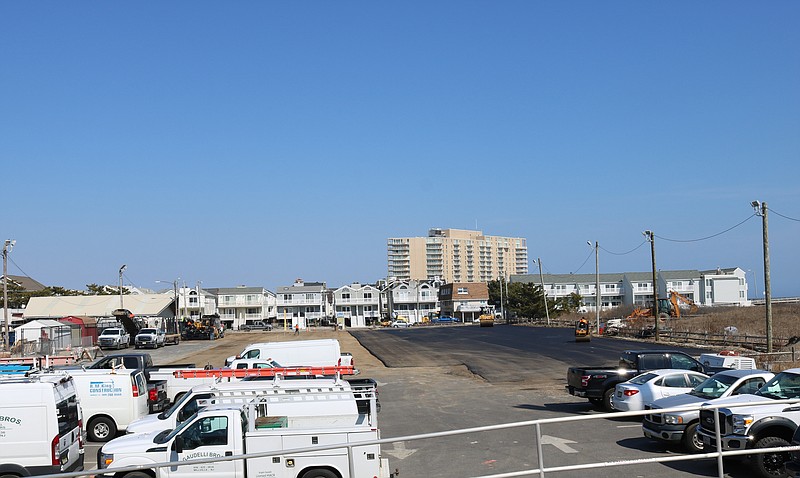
26	282
151	305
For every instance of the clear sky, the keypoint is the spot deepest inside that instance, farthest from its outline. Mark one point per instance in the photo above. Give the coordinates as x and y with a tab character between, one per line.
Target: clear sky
257	142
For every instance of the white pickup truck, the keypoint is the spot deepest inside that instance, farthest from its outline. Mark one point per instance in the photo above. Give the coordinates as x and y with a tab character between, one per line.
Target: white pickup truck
113	338
266	424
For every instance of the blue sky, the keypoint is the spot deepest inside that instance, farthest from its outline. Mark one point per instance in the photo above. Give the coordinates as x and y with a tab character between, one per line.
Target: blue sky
259	142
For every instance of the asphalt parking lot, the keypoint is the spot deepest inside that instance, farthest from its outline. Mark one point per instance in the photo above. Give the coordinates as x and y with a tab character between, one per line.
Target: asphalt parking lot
454	377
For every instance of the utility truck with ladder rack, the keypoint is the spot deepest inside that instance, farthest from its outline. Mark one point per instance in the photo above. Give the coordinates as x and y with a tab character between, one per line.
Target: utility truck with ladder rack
272	422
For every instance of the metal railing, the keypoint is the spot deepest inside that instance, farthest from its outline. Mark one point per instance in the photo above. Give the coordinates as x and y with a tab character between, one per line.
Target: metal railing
542	470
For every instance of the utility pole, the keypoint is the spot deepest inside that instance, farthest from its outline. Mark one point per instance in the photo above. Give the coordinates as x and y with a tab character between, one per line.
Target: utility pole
652	238
121	270
761	210
7	246
544	294
598	295
502	311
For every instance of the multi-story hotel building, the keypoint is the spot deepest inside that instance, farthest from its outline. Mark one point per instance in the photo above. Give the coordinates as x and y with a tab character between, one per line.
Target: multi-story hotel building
456	255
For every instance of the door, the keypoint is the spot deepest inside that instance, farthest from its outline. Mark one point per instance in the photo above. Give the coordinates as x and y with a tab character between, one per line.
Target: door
206	437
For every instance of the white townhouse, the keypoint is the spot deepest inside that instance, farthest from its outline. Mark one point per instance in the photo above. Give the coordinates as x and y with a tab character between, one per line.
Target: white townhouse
413	299
238	306
303	303
724	287
706	288
357	305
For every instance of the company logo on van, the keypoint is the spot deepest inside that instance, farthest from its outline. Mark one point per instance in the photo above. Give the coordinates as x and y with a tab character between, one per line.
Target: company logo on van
14	420
201	454
104	389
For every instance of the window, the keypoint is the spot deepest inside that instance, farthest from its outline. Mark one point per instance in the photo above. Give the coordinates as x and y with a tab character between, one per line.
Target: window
346	296
67	415
287	297
682	362
208	431
463	290
678	381
252	354
610	286
367	295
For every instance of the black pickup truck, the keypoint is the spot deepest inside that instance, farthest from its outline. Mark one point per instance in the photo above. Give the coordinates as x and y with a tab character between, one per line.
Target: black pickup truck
598	383
157	399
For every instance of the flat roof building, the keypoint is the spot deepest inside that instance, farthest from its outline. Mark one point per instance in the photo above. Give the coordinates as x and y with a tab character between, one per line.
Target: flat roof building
456	255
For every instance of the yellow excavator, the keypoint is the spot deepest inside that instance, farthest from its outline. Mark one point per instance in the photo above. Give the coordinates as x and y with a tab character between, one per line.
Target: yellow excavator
666	307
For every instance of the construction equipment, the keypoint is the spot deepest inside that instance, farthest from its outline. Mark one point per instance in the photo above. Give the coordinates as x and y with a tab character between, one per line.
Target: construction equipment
207	327
582	333
668	307
486	319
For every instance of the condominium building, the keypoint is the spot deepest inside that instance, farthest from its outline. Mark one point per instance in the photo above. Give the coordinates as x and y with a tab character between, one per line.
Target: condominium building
456	255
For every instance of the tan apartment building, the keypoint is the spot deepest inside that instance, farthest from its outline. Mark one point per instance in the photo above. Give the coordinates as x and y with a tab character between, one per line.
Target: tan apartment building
456	255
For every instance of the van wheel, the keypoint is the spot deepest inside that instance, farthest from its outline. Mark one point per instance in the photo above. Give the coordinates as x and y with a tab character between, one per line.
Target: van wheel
319	473
771	465
101	429
691	440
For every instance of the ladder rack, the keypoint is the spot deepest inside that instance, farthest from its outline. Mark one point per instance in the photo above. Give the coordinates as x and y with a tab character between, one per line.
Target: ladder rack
264	372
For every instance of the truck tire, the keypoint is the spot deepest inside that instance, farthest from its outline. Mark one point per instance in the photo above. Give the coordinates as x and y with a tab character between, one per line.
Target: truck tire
691	440
771	465
319	473
101	429
607	400
136	474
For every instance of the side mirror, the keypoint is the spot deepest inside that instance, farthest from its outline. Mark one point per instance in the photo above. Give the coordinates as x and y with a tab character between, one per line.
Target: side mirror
177	445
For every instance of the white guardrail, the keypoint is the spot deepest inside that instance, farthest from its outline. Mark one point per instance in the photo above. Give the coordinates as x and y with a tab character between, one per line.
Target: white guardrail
542	470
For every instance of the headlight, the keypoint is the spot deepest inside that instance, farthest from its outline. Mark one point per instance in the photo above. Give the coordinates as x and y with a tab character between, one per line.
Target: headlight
673	419
741	423
104	459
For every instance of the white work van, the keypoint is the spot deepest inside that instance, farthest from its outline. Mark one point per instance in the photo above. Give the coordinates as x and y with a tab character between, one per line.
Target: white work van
241	391
40	426
110	399
297	353
268	423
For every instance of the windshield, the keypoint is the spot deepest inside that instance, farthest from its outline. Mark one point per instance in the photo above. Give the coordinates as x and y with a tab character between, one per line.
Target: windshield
147	331
175	406
643	378
713	387
111	332
785	385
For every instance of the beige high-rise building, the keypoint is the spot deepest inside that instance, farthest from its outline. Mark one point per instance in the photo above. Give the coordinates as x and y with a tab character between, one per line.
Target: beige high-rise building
456	255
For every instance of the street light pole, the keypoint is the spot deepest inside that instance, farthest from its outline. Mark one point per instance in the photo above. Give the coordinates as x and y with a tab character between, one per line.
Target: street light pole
598	301
7	246
544	294
121	270
761	210
651	238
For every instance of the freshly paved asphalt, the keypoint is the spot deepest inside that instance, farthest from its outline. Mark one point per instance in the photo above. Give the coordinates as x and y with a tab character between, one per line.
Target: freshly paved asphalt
442	378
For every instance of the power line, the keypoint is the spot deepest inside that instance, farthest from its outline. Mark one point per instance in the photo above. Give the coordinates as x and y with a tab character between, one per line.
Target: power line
623	253
707	237
584	262
781	215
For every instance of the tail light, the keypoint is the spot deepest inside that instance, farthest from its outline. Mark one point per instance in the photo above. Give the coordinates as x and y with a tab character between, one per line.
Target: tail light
339	363
134	387
55	459
630	393
80	434
585	380
152	395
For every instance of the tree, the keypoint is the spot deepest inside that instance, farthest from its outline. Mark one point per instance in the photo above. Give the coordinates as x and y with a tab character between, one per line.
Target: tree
568	304
522	299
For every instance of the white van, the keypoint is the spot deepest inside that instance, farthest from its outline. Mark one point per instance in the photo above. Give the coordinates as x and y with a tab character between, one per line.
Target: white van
110	399
40	426
297	353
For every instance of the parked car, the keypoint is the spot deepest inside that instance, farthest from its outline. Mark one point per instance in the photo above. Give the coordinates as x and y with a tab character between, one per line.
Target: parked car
399	324
153	338
444	320
260	325
644	389
681	427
